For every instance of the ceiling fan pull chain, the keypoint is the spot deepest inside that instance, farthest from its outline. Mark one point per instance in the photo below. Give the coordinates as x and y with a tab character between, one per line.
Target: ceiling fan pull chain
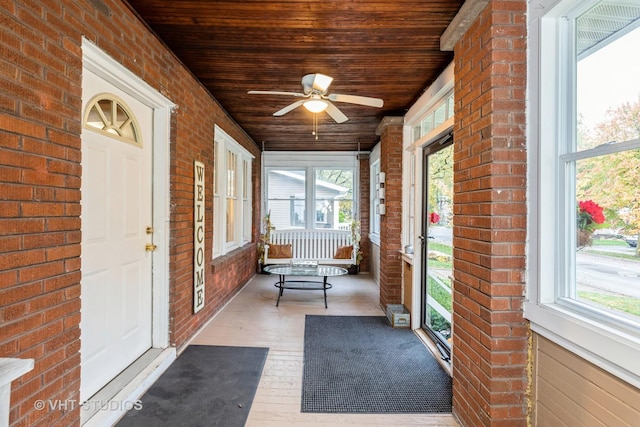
315	126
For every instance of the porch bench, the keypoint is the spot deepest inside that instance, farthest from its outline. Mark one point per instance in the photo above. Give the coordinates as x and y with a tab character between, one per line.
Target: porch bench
312	245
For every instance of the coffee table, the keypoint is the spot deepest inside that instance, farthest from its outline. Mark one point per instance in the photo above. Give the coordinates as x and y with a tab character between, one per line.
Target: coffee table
323	271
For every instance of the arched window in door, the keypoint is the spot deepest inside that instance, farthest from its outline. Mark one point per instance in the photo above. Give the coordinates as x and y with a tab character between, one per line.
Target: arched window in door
108	114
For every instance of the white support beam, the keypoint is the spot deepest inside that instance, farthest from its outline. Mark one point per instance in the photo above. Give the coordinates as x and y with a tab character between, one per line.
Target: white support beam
461	23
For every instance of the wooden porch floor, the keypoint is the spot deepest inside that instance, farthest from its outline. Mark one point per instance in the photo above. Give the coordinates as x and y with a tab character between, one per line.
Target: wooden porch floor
252	319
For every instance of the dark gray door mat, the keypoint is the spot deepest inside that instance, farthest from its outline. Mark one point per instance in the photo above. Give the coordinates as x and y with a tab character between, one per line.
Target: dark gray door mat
360	364
205	386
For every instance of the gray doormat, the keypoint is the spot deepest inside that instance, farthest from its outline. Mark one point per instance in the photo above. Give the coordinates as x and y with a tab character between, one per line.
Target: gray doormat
360	364
204	386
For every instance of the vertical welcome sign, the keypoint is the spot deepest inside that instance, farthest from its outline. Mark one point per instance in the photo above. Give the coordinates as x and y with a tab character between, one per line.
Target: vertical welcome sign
198	236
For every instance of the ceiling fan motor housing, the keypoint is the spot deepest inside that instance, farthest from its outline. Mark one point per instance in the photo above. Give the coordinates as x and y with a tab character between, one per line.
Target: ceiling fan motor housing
316	83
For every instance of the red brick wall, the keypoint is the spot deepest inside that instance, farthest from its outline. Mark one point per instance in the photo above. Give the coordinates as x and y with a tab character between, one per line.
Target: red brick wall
391	221
40	175
225	274
365	183
490	334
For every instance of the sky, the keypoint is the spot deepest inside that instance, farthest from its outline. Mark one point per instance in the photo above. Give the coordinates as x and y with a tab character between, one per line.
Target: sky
609	77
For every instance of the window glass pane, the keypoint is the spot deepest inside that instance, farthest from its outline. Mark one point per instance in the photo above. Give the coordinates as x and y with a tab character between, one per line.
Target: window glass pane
231	195
375	184
608	221
411	207
608	84
111	117
606	185
416	133
286	195
439	251
246	221
231	174
124	124
427	124
106	107
310	197
244	179
440	115
216	168
246	201
230	234
334	198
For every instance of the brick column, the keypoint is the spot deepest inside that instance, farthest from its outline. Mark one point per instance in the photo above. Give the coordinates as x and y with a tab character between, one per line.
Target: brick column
390	131
490	339
365	214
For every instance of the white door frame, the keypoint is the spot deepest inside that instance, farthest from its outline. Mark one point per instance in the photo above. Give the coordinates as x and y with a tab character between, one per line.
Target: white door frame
101	64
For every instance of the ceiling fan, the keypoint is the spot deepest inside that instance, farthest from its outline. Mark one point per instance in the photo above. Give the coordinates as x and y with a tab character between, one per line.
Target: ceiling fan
316	99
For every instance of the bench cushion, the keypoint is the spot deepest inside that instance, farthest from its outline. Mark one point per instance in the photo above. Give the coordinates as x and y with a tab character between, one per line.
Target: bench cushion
280	251
344	252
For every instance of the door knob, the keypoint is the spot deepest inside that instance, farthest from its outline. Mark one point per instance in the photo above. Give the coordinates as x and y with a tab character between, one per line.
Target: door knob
150	247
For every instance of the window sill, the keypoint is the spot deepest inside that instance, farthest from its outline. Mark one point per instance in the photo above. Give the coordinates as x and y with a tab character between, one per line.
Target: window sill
222	261
408	258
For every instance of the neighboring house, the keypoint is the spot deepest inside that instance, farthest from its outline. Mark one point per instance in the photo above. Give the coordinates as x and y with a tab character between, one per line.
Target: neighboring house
521	351
286	200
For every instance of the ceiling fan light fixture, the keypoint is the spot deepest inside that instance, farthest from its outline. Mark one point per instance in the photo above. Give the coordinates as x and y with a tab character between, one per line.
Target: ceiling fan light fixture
315	105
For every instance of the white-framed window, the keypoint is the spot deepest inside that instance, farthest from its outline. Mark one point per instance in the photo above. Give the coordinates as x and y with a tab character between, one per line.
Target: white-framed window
317	191
110	115
428	121
435	118
584	170
232	201
374	221
247	199
410	221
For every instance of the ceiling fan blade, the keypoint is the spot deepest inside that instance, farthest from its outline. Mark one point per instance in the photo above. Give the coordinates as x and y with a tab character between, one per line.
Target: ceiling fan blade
288	108
274	92
335	113
355	99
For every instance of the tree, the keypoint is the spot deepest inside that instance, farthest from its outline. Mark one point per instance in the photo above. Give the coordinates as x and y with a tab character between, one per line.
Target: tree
344	178
441	184
613	180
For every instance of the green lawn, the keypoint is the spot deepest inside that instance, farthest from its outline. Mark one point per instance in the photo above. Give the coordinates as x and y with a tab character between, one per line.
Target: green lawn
603	243
607	242
436	292
441	248
612	254
437	322
618	303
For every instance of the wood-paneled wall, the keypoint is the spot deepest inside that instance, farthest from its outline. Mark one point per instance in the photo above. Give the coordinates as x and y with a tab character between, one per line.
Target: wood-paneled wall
570	391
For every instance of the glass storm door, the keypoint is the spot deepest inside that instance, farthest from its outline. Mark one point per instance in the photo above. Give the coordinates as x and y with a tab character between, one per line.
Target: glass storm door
437	251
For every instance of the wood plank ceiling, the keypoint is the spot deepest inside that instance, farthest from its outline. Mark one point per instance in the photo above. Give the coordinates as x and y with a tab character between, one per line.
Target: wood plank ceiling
385	49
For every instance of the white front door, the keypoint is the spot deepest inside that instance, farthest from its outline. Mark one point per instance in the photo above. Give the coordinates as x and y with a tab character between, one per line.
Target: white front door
116	287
